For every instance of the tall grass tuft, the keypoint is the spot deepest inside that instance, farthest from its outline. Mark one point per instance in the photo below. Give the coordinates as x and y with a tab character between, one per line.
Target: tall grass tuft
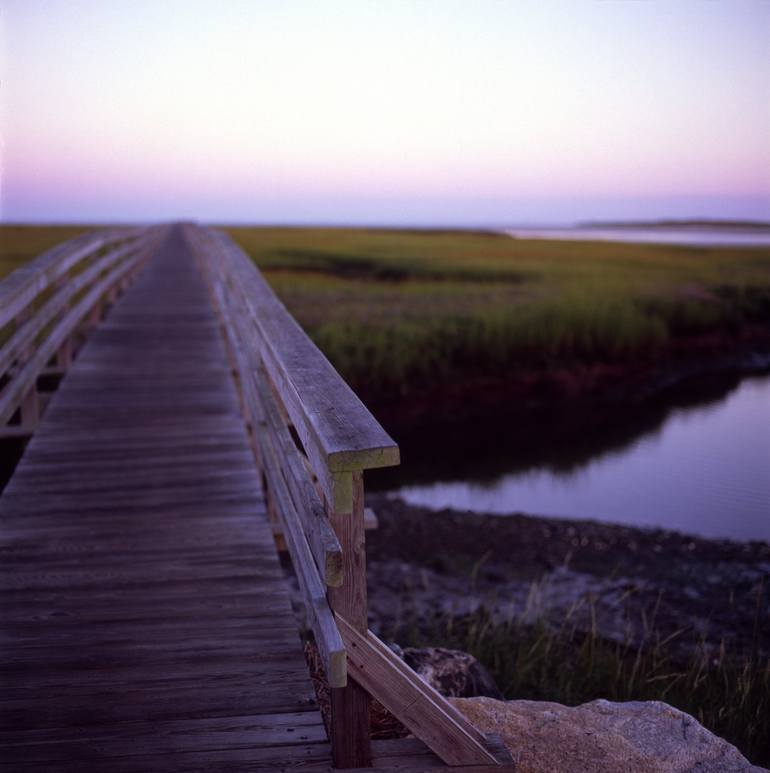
727	691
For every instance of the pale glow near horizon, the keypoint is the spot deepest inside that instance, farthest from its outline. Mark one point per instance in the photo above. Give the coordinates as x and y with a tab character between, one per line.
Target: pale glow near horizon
384	112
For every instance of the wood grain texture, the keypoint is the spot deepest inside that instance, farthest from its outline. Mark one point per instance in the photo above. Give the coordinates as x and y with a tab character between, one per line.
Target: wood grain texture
272	436
421	708
145	622
21	287
325	411
41	333
33	324
350	715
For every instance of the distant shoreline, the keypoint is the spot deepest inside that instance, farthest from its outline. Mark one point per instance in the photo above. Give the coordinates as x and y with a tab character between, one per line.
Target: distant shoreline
481	228
695	225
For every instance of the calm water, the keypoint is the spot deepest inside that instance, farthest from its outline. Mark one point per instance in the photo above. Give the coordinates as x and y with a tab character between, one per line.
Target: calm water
704	470
684	236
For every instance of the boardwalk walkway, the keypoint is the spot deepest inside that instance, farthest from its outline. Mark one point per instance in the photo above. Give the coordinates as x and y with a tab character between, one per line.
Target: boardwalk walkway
146	623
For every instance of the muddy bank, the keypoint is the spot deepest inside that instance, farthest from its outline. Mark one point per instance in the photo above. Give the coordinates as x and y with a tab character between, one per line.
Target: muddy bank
632	583
559	419
626	385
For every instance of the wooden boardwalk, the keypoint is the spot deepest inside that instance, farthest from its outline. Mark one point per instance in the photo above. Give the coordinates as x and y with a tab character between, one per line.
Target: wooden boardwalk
146	622
145	619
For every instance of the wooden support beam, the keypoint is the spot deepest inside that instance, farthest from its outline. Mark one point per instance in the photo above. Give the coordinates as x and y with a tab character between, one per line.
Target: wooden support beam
13	431
26	378
95	315
30	409
271	437
350	730
280	541
64	355
44	397
320	616
414	702
370	523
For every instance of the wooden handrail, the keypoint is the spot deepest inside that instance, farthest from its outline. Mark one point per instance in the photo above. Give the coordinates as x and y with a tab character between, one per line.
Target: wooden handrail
338	432
22	286
313	438
43	303
314	548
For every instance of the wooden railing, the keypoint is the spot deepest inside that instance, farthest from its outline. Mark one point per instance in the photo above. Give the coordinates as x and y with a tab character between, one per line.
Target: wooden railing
313	439
45	306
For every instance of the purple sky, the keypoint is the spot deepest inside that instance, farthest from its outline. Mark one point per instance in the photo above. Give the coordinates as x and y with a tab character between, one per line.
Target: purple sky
367	112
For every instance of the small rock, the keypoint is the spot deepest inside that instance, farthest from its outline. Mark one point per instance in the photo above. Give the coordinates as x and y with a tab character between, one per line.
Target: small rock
604	737
453	673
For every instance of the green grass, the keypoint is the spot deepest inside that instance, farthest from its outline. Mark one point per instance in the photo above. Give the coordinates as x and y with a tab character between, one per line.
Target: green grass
728	692
21	243
401	311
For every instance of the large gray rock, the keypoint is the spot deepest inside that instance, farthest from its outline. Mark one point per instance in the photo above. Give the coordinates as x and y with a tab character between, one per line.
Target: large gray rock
604	737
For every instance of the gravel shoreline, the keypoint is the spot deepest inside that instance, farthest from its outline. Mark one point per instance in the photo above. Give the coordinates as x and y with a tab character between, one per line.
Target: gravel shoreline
632	583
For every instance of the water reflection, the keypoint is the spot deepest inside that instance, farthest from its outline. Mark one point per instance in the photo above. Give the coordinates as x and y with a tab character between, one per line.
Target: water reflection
699	462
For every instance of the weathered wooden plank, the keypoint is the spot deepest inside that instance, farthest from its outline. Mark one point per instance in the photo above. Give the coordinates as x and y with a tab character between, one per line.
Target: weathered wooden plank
308	758
250	358
15	431
350	730
313	588
25	379
317	399
22	286
315	522
163	737
423	710
144	618
265	419
26	334
224	698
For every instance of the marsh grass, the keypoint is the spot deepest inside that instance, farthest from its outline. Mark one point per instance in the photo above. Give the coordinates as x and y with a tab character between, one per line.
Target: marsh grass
726	689
21	243
400	311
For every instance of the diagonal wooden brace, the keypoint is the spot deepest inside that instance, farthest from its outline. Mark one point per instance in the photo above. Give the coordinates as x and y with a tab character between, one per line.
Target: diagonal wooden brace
420	707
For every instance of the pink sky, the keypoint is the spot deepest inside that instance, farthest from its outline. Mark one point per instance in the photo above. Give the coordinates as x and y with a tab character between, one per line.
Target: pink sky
443	112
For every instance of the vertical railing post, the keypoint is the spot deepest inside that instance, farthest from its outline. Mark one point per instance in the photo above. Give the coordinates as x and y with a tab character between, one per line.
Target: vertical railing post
29	409
64	354
95	315
351	745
